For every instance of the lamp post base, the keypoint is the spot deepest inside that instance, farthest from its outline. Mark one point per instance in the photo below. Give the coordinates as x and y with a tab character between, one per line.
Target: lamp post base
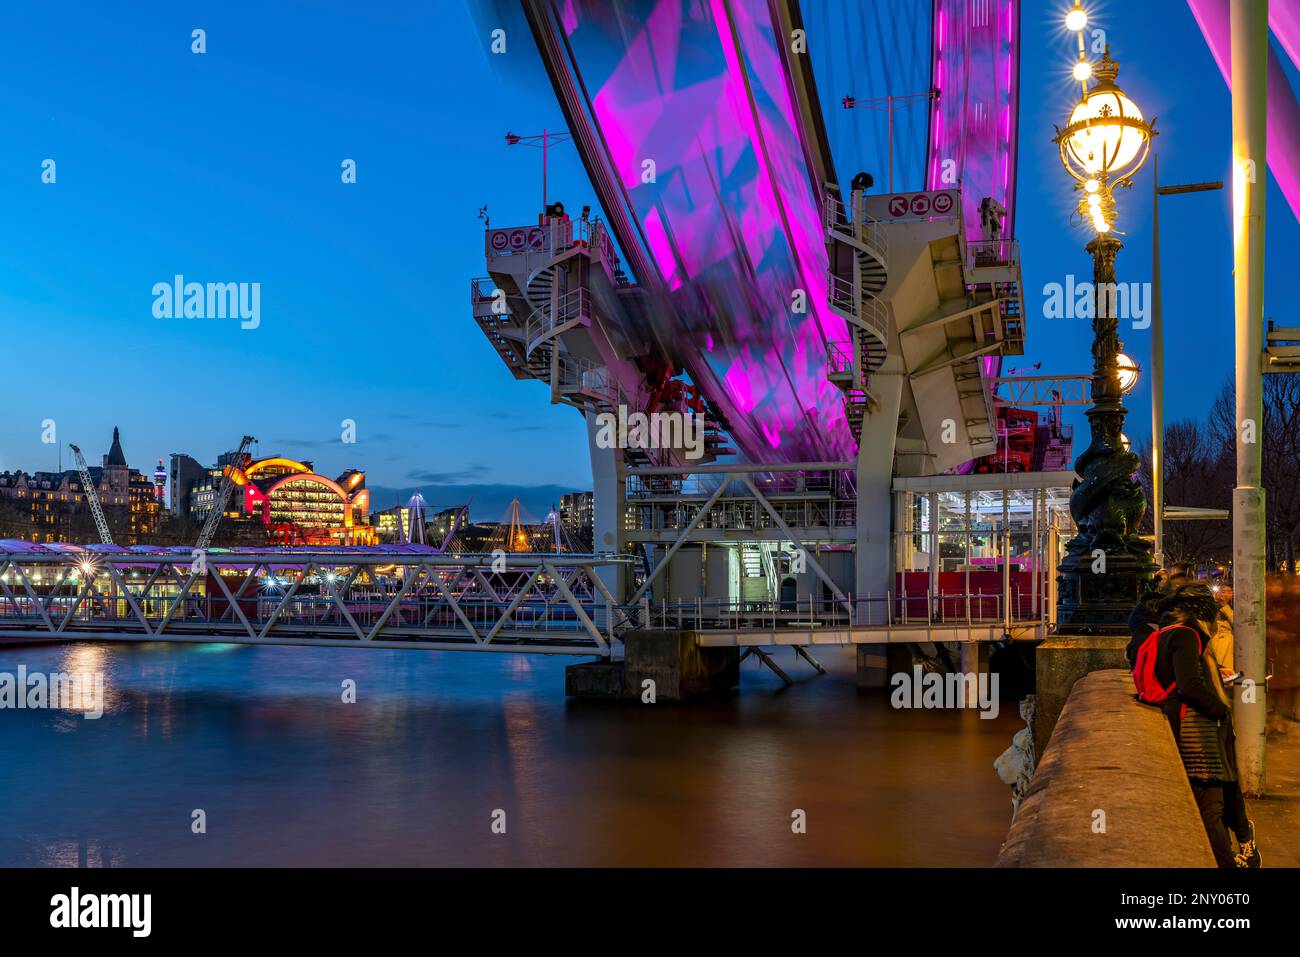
1107	565
1096	595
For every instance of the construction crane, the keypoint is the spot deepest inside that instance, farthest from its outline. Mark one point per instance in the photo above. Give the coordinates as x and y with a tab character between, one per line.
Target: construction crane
92	497
223	493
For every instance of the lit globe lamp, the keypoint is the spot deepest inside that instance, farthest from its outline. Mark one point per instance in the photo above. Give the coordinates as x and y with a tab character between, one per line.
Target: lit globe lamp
1128	371
1105	141
1103	145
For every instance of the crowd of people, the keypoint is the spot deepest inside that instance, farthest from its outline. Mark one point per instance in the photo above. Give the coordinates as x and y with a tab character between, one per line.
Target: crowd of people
1181	652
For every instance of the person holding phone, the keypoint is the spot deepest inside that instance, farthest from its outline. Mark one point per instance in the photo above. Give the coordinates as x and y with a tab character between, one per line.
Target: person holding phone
1221	641
1176	671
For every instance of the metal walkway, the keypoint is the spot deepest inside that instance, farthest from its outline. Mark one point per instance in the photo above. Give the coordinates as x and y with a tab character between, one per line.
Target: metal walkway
544	604
551	604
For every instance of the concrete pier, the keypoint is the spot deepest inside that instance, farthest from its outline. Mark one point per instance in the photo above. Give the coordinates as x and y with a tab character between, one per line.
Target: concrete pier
1061	661
1110	790
673	663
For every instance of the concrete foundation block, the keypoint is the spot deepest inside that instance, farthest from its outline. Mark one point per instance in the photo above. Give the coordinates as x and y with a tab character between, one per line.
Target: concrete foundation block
974	658
1059	662
678	666
594	679
874	666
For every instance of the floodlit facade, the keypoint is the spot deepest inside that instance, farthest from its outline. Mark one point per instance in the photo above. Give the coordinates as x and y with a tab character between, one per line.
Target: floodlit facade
300	507
52	507
289	499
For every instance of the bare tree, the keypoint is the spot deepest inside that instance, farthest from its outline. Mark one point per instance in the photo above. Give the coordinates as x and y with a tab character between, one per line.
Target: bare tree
1280	435
1196	475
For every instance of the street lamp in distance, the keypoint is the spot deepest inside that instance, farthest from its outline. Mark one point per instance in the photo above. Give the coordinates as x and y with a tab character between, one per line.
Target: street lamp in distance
542	140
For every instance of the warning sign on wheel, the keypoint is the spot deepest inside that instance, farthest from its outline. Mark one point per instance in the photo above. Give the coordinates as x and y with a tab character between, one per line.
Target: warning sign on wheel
903	206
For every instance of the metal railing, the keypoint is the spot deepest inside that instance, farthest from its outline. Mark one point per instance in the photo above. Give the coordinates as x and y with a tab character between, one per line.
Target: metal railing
868	311
576	374
739	515
543	320
482	298
839	358
558	235
983	254
525	602
917	617
858	227
825	483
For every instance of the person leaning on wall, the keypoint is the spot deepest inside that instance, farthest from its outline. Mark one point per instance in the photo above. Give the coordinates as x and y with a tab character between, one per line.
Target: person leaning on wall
1175	670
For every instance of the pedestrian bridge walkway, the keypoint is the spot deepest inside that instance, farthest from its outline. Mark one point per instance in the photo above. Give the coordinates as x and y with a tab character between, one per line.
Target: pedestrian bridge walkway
418	597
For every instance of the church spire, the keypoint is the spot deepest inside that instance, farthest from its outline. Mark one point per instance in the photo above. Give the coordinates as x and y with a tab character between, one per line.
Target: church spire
115	456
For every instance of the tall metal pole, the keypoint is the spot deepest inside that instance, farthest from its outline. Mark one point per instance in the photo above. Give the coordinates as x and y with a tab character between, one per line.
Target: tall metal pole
891	143
1157	375
1249	20
1158	355
544	171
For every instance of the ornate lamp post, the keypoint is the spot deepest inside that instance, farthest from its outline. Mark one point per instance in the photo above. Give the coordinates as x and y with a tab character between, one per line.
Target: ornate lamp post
1107	564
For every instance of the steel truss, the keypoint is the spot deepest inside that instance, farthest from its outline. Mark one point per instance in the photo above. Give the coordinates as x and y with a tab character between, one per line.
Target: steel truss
552	604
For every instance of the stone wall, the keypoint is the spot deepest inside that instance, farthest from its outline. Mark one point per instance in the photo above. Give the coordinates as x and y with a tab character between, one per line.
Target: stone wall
1110	790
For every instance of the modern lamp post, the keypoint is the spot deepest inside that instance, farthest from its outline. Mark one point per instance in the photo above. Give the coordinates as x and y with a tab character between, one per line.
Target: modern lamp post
1107	565
1158	354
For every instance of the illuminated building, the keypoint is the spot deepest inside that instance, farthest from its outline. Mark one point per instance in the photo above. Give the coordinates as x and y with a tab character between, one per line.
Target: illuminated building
578	514
160	483
184	473
51	506
441	523
292	502
391	523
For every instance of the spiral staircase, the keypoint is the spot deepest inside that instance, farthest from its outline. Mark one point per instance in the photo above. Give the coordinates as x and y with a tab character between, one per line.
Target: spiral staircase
859	256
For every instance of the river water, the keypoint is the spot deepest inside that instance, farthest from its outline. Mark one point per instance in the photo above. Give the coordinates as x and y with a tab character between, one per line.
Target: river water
413	772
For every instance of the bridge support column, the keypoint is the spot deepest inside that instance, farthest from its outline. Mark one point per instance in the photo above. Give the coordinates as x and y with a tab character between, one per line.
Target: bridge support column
668	664
974	658
874	553
609	486
1059	662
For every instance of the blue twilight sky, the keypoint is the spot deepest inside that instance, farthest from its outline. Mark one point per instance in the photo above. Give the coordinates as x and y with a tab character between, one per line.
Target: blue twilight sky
226	167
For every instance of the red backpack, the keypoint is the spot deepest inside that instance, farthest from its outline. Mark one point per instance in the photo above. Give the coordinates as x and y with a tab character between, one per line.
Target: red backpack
1149	689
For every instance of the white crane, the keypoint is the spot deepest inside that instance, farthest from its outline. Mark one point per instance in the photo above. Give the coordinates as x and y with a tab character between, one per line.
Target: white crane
92	497
223	493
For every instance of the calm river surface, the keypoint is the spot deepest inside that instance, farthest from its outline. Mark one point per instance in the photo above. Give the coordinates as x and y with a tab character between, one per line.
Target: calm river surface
410	774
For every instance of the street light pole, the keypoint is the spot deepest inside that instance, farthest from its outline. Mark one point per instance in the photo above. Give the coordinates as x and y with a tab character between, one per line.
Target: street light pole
1157	376
850	102
1249	25
1107	565
1158	356
543	140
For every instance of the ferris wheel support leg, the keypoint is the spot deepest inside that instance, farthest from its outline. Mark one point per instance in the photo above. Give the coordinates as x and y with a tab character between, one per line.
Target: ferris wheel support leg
608	485
874	553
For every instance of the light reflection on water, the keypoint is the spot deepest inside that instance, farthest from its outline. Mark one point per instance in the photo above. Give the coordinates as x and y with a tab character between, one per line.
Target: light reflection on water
411	774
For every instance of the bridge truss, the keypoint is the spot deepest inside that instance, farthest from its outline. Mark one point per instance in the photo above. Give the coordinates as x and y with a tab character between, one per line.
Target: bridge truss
553	604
